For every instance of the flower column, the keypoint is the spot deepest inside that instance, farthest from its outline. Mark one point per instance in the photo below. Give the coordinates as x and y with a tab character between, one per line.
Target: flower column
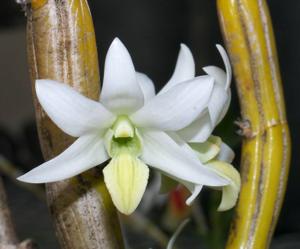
61	46
248	33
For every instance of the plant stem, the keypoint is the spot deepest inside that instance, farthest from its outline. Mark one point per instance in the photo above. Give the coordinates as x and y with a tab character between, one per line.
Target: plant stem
266	148
61	46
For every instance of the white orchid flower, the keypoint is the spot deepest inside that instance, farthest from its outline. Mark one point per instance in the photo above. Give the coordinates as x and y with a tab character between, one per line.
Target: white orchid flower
202	127
130	126
211	151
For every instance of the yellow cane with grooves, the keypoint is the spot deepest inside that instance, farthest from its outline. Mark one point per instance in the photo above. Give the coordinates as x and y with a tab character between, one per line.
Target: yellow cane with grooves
61	46
266	148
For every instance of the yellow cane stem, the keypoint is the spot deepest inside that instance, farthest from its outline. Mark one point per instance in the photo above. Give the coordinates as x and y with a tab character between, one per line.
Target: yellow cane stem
61	46
247	29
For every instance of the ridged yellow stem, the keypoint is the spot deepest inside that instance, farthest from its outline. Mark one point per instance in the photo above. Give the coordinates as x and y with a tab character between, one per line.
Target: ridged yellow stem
61	46
247	29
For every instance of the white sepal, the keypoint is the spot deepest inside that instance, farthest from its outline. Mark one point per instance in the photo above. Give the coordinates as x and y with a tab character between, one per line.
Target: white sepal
163	153
146	85
177	108
217	103
70	111
198	131
121	92
225	108
184	70
227	65
86	152
195	190
218	73
201	128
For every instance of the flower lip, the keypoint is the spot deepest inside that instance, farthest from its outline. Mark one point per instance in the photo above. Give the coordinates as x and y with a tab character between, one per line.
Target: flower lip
126	178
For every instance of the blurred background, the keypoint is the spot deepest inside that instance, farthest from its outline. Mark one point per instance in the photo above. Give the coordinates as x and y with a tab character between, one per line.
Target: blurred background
152	32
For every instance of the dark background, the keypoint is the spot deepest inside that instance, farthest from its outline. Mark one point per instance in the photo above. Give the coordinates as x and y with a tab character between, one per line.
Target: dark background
152	32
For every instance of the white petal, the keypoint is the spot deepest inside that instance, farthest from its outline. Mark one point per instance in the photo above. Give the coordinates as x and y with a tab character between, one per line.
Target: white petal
225	108
86	152
226	154
198	131
184	70
71	111
227	65
221	96
146	85
217	73
195	192
163	153
176	108
217	102
220	76
121	91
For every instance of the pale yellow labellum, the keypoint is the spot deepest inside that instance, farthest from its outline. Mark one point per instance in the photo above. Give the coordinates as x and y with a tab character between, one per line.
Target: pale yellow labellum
231	191
126	178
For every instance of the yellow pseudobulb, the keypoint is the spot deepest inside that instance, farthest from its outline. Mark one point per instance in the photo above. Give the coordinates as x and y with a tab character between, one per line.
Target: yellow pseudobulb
126	178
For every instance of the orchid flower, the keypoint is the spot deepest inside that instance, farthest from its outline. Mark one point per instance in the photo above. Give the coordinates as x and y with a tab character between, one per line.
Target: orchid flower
128	125
210	150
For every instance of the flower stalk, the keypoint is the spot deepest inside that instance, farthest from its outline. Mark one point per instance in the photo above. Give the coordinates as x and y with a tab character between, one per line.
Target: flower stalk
247	30
61	46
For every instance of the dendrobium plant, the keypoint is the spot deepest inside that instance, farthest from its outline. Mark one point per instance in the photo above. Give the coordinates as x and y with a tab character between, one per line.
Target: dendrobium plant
136	129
